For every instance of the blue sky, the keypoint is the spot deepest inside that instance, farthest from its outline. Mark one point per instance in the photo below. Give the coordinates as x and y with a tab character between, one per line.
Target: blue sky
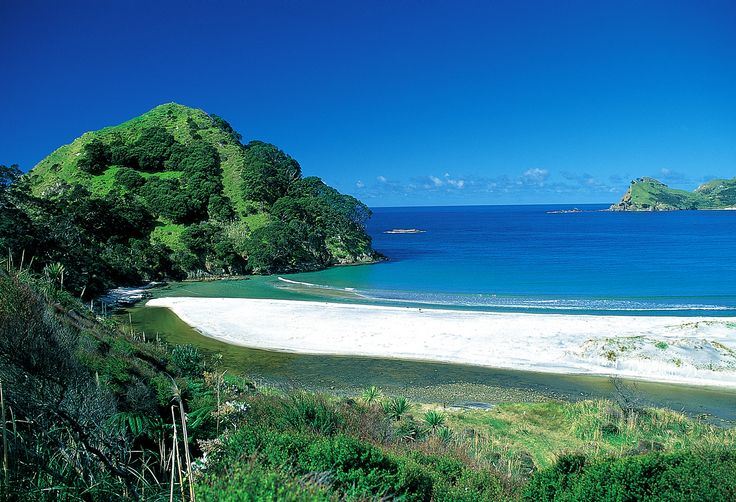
398	102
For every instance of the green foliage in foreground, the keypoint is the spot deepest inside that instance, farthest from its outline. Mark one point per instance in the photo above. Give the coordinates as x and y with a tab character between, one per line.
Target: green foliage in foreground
517	433
351	452
89	408
672	477
253	482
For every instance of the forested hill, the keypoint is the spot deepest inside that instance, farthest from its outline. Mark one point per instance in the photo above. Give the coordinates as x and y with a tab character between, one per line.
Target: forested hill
170	194
648	194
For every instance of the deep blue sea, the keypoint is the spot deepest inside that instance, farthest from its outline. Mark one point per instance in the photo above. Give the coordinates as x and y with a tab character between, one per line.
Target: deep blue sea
529	258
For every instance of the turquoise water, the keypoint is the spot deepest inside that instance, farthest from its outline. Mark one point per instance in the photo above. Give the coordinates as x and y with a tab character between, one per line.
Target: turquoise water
531	259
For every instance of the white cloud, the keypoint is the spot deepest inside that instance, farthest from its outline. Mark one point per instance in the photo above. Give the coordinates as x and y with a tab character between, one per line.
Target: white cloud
532	180
535	176
437	184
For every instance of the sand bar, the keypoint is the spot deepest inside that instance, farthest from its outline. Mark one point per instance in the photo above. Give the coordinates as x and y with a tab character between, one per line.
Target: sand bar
690	350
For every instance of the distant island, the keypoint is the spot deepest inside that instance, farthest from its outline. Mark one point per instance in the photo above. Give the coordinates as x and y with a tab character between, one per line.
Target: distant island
404	231
566	211
649	194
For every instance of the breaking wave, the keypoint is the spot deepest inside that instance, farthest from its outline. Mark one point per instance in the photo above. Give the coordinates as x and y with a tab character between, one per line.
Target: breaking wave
519	303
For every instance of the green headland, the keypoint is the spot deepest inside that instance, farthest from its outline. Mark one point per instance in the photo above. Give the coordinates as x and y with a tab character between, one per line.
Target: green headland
172	194
648	194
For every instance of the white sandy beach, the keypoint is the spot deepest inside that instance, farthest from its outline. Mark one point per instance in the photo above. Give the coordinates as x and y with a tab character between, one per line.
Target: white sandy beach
690	350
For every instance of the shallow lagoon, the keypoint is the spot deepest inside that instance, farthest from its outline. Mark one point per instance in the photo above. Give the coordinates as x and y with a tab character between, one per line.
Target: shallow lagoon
430	382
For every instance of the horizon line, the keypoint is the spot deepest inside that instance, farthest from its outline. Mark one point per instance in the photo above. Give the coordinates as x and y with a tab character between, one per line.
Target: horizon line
499	205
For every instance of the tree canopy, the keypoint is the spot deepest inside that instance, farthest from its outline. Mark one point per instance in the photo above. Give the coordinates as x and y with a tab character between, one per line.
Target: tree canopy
267	172
95	157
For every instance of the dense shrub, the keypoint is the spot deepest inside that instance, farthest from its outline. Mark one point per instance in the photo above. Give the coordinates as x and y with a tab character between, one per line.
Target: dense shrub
267	172
312	227
120	153
303	434
199	158
254	483
151	150
17	231
345	207
165	198
210	249
662	477
354	467
95	157
337	221
101	241
307	411
471	486
283	247
225	126
188	359
129	178
219	208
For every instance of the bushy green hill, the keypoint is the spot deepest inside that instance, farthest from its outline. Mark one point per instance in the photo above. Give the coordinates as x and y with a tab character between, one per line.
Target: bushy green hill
722	193
174	193
648	194
187	126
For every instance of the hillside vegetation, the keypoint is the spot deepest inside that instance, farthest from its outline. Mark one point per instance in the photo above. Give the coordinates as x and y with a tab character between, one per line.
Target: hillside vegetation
648	194
174	193
94	411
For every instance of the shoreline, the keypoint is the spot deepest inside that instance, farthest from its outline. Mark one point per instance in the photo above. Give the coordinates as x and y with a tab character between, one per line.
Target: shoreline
692	351
129	294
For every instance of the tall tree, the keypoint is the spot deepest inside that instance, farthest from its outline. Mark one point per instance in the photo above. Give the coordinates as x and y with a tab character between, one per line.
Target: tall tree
95	157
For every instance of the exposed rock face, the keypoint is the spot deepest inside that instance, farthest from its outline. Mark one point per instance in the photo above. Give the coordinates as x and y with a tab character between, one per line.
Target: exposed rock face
625	203
630	202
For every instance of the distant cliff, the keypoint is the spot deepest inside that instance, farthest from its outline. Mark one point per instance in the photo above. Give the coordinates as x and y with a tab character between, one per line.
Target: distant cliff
648	194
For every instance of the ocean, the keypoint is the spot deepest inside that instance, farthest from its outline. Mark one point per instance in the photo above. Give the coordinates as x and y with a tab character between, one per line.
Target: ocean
538	259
